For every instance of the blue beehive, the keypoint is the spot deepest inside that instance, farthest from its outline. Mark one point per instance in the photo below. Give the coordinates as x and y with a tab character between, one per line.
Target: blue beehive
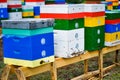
3	13
36	10
30	49
110	28
59	1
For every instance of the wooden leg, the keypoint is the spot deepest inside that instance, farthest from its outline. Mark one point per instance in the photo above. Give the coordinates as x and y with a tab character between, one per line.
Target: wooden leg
86	66
53	71
100	65
116	56
20	74
6	72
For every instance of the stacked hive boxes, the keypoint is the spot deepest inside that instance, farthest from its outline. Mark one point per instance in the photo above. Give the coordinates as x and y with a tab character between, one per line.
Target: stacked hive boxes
27	11
35	2
23	2
94	26
15	9
68	30
36	11
112	28
3	10
112	4
28	42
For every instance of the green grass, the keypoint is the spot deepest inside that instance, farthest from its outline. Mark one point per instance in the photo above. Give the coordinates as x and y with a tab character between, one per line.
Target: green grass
74	70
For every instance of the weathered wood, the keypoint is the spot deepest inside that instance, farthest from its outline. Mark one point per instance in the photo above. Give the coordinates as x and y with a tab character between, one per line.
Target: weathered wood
20	74
116	56
6	72
93	73
54	71
85	66
34	71
100	65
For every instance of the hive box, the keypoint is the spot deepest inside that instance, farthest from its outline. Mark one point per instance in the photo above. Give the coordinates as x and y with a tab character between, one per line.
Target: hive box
109	28
111	15
112	39
68	35
69	43
94	21
68	49
94	36
15	15
27	23
32	49
61	24
3	13
65	11
94	10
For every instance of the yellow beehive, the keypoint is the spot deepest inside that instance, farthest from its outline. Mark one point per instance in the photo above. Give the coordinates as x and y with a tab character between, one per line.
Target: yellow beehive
118	35
94	21
25	14
110	37
109	7
115	3
36	16
27	63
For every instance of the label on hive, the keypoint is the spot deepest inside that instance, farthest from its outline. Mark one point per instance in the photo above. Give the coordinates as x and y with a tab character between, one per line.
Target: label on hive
64	11
27	63
35	47
28	23
94	36
15	15
94	21
69	49
70	35
27	32
61	24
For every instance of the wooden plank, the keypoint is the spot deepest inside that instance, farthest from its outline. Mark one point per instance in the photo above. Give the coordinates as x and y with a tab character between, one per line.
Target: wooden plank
33	71
93	73
85	66
100	65
60	62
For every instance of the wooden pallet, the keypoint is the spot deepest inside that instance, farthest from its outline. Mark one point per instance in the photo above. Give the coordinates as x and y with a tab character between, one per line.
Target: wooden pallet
23	73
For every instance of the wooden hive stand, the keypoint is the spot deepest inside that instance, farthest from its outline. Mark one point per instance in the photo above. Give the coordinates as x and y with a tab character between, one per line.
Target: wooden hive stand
24	73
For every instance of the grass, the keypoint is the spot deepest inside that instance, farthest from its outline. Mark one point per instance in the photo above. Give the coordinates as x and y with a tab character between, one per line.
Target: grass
74	70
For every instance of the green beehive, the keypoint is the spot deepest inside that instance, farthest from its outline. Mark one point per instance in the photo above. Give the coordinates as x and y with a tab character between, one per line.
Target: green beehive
115	7
14	9
49	1
74	1
94	38
110	15
61	24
